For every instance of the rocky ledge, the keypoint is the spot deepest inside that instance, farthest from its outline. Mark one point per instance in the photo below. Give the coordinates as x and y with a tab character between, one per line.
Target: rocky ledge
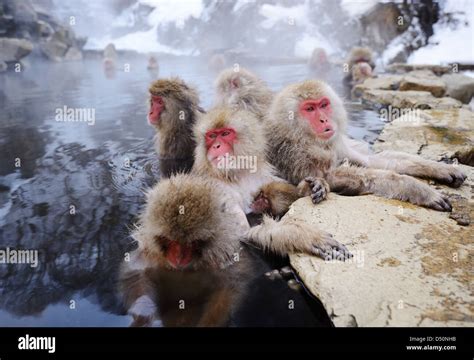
412	266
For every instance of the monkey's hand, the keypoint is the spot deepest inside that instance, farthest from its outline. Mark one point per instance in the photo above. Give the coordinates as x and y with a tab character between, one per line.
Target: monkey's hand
449	175
294	235
317	188
143	311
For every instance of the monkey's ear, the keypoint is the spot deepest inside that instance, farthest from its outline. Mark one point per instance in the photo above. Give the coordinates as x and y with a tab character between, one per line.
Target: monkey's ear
234	83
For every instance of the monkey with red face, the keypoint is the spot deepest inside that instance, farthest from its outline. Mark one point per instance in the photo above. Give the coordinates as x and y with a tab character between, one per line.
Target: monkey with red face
184	271
307	137
231	148
319	61
174	108
360	65
191	268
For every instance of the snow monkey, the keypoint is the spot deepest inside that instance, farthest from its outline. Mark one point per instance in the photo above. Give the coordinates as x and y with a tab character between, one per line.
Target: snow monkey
238	88
361	64
307	137
319	61
191	268
231	148
188	240
174	108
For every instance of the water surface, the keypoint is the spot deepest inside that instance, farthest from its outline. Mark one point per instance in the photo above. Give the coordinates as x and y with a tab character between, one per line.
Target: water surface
79	187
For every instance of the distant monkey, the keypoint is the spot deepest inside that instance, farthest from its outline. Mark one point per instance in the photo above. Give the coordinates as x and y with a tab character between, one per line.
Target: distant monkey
307	137
109	58
242	90
361	64
217	62
152	63
174	108
319	61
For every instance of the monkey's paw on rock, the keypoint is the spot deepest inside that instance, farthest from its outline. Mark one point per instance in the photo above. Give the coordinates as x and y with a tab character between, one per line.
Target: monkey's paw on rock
407	263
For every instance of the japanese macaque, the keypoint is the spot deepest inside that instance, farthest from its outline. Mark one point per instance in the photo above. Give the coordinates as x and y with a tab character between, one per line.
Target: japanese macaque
152	63
231	148
360	65
217	62
360	72
188	242
109	58
190	268
174	108
242	90
307	137
275	198
319	61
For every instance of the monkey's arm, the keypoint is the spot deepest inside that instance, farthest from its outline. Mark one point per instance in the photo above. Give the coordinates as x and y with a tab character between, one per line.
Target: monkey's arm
401	163
414	165
276	197
350	180
137	291
294	235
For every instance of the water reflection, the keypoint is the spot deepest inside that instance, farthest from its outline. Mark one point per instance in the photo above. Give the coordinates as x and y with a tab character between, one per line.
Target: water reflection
238	295
77	189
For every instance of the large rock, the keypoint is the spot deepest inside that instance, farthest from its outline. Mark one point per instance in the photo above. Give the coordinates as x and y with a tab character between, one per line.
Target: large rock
53	49
423	80
73	54
412	266
12	50
459	86
404	68
391	82
433	134
408	99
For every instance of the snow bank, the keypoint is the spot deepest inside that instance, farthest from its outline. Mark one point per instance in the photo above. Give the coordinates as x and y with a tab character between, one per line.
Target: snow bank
448	44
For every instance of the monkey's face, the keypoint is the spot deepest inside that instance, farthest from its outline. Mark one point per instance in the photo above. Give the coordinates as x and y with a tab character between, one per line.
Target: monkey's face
261	204
157	105
318	113
219	144
190	223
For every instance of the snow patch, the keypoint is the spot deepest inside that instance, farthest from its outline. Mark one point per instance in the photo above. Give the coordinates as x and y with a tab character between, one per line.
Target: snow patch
447	44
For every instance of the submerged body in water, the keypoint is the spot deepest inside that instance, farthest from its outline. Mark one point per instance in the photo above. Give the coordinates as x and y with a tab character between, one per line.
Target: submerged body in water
72	189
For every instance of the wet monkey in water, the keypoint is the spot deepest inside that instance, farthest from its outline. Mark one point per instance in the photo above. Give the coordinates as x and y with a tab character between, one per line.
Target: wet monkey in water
173	110
360	65
188	238
231	149
191	268
307	137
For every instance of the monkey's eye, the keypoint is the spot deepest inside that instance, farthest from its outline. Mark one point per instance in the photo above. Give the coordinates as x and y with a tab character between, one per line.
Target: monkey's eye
309	108
225	133
324	105
212	136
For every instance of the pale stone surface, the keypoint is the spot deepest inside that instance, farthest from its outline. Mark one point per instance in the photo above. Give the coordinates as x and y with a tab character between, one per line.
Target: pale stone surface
412	266
14	49
460	87
423	80
402	68
408	99
379	83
